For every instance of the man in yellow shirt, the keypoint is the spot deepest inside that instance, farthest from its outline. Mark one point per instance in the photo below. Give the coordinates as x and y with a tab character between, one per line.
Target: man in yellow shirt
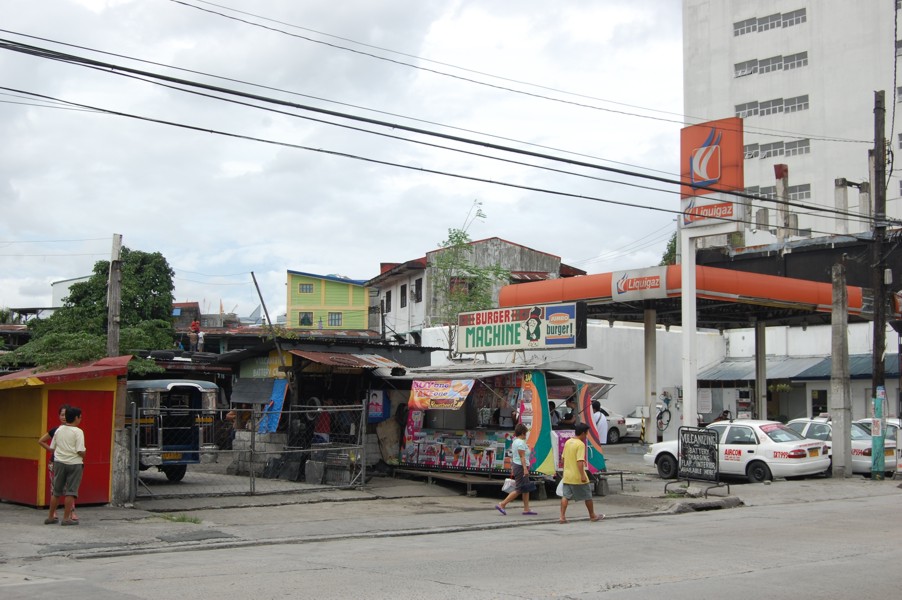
576	479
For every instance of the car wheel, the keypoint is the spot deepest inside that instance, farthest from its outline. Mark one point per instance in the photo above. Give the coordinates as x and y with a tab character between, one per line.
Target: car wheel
613	435
667	466
758	472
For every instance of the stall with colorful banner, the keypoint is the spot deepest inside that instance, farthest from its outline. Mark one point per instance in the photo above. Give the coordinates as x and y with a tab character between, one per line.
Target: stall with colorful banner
461	418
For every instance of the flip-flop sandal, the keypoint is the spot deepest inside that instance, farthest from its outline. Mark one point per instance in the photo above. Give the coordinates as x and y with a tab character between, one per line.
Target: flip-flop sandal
530	513
501	510
52	521
597	518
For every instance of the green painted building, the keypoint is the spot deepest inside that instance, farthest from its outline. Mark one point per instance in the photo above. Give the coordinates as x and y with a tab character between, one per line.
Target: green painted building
326	302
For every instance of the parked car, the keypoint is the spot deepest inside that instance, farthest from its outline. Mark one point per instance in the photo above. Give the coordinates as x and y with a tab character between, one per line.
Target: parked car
893	425
757	450
617	425
821	428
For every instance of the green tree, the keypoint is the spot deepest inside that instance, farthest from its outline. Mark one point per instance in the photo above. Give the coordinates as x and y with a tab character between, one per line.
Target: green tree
669	257
76	332
459	284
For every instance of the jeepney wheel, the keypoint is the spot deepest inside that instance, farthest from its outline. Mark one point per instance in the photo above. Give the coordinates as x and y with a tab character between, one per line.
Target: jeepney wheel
174	472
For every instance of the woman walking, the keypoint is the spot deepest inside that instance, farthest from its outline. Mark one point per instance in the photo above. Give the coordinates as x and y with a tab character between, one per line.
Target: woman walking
519	472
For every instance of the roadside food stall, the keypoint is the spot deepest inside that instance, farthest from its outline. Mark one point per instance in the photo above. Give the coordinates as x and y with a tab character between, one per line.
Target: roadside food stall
461	417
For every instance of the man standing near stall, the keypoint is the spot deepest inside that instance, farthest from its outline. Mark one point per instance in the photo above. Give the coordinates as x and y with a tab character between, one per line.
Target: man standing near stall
68	447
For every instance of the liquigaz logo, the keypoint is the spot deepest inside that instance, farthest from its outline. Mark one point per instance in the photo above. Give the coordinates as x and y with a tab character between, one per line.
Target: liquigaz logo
704	162
634	284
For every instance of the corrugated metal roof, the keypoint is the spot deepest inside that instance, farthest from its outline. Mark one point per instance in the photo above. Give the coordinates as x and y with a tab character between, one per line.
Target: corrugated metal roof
860	366
743	369
105	367
340	359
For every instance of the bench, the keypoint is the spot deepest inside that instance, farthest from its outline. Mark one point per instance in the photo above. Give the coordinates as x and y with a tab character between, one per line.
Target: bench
465	478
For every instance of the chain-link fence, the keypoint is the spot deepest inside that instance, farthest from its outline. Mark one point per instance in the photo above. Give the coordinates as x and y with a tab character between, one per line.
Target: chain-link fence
187	452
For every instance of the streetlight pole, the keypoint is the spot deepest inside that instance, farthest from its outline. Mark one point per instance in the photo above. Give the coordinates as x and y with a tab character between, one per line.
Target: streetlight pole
878	389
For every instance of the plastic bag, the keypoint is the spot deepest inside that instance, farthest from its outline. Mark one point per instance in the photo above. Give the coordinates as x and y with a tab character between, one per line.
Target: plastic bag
509	485
560	488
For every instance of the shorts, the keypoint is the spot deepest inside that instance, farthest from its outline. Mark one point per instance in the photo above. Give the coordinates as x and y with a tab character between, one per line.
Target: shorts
524	485
577	492
66	479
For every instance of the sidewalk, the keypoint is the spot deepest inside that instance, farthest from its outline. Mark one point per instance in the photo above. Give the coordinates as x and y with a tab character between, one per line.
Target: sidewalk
386	507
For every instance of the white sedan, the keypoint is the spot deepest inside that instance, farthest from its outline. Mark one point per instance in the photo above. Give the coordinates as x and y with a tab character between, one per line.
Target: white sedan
893	425
757	450
822	429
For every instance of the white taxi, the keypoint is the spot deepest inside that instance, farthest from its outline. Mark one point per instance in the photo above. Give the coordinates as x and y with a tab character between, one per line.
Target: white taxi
757	450
821	428
893	426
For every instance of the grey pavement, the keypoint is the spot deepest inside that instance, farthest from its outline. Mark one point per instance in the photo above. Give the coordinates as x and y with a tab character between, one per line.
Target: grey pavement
385	507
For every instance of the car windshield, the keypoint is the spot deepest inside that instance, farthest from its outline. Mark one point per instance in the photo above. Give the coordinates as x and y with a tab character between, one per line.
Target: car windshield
860	433
781	433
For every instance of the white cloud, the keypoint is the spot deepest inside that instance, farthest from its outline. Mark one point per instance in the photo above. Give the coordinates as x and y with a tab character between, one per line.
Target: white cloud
222	207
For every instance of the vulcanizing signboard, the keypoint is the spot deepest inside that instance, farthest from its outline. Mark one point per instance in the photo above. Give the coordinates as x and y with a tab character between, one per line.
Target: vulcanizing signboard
543	326
712	160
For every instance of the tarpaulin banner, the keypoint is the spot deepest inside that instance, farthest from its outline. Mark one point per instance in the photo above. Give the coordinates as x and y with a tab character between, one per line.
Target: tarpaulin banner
442	394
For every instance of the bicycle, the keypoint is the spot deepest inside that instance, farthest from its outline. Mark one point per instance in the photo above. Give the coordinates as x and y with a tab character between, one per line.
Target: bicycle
663	417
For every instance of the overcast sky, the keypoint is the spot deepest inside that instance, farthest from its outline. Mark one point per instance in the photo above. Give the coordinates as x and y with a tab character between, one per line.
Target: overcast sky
598	81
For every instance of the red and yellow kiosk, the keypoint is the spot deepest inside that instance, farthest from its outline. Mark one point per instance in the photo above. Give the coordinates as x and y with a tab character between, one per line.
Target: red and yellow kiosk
29	407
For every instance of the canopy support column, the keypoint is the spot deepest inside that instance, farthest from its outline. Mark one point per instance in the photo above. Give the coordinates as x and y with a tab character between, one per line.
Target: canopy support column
651	372
760	370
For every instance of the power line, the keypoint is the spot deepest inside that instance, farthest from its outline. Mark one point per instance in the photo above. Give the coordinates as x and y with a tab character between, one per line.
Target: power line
336	102
398	165
681	121
120	70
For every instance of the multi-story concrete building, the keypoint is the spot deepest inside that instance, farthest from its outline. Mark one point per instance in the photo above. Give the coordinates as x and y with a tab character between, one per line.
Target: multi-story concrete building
802	75
409	299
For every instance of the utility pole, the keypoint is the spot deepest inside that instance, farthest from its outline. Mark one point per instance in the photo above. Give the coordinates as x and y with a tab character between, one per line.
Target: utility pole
114	297
878	266
840	397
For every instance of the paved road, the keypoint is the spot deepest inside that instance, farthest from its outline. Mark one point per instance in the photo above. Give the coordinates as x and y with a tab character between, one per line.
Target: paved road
803	550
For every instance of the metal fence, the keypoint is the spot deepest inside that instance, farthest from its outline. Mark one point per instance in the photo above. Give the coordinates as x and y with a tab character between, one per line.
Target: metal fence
192	453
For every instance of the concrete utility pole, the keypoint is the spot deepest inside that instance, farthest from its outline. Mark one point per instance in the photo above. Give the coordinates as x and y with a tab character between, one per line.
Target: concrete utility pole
878	263
840	396
114	297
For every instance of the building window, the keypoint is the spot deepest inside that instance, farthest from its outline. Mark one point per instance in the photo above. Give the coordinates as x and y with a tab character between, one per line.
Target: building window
796	104
900	141
898	47
402	301
460	285
769	192
770	22
744	27
753	189
748	67
799	192
798	147
388	301
305	288
771	150
418	290
794	61
771	107
900	187
750	150
749	109
774	63
899	94
335	319
305	319
796	17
